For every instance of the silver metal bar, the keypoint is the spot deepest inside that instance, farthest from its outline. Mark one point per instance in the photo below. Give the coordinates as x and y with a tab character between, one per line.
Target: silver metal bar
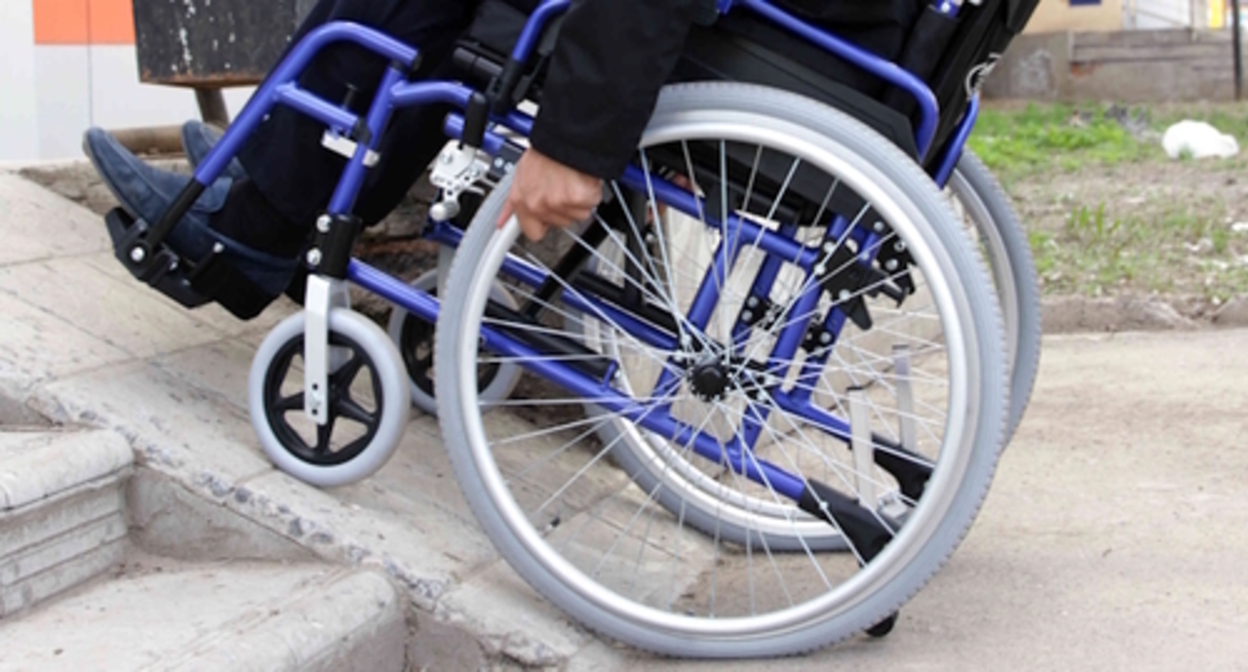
905	397
863	447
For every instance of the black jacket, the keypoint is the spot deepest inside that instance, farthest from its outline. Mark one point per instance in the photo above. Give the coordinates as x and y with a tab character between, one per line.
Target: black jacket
610	61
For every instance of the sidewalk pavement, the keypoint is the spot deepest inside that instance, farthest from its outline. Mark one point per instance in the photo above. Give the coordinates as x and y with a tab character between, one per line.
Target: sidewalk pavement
1115	534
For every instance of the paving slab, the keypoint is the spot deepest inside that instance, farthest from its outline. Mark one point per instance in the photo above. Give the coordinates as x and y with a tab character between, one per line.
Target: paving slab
164	615
171	424
125	314
220	367
36	345
39	224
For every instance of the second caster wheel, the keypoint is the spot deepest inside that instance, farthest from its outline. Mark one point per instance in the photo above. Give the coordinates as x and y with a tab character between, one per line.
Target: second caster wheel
368	401
414	339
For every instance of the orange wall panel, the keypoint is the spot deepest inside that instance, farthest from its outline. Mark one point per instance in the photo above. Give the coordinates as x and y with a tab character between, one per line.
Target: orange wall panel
112	22
83	22
61	22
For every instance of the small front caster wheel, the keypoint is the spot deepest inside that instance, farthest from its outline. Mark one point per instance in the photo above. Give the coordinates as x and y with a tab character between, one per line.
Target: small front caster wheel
367	396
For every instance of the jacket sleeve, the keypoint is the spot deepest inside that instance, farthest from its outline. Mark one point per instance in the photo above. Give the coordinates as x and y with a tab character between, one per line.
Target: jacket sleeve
610	61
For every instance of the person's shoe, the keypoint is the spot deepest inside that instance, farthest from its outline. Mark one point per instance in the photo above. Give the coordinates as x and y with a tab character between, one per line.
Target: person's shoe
199	138
147	192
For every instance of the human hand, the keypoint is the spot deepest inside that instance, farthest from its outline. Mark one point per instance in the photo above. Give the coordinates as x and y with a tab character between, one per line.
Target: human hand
547	193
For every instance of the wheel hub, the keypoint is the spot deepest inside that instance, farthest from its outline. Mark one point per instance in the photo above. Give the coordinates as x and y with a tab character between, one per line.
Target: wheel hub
709	380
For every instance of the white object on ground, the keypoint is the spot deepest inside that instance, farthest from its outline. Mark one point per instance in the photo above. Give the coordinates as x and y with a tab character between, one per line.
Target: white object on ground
1198	140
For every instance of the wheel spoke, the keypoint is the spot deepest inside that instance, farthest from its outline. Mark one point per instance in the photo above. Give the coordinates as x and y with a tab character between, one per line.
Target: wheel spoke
345	375
324	433
350	409
291	403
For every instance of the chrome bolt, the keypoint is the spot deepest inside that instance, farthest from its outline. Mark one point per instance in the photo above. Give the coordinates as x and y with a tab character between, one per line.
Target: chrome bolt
891	265
752	302
879	227
845	295
825	338
323	222
747	316
900	246
314	257
137	254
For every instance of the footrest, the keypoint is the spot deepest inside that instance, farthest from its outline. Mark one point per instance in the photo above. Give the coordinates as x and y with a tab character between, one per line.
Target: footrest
190	283
160	268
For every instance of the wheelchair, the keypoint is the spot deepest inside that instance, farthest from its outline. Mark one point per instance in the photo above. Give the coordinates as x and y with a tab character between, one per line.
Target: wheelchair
748	410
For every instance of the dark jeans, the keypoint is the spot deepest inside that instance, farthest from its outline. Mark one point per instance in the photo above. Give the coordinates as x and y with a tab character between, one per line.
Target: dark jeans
285	159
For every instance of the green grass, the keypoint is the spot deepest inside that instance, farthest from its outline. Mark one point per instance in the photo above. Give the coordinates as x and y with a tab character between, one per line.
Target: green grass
1189	251
1042	138
1122	237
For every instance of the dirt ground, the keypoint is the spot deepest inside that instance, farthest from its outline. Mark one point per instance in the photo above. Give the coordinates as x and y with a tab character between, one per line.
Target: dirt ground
1182	195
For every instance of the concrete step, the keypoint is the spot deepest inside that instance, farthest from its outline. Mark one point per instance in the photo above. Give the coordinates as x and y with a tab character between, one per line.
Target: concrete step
159	614
62	511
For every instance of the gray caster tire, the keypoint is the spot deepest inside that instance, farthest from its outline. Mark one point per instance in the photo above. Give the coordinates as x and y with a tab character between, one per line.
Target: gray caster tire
369	402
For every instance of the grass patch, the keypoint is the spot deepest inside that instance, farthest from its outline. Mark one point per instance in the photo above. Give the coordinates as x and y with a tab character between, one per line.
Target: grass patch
1107	212
1178	249
1040	139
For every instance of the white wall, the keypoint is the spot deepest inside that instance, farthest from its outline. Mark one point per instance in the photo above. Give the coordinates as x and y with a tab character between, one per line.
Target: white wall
1158	14
19	132
51	94
120	101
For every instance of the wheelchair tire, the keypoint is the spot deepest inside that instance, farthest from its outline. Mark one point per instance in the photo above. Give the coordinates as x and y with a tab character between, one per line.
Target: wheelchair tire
375	408
981	199
558	534
414	339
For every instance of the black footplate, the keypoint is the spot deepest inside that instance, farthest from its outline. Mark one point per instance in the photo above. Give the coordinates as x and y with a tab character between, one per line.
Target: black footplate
191	284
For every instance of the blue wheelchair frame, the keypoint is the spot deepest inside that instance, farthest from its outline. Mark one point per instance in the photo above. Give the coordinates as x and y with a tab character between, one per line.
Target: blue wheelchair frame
394	92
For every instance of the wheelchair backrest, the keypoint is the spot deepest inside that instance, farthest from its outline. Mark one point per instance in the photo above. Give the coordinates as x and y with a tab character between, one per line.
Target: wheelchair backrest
952	56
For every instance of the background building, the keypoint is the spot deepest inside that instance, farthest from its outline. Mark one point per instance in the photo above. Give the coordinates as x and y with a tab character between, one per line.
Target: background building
1113	15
